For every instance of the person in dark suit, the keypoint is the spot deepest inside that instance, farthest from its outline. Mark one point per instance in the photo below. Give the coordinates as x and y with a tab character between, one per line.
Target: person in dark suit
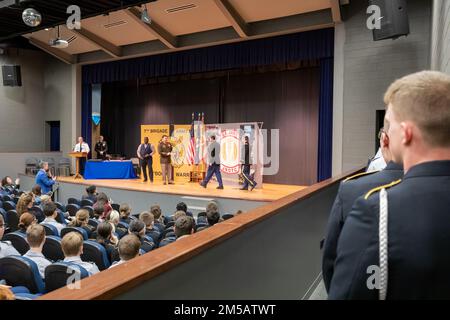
145	154
349	190
213	163
396	239
246	160
101	147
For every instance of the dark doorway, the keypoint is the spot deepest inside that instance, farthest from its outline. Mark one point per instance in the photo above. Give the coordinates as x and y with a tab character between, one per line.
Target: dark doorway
53	133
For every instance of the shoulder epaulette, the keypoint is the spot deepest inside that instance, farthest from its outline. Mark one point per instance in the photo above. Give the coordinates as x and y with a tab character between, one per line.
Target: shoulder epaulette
361	175
386	186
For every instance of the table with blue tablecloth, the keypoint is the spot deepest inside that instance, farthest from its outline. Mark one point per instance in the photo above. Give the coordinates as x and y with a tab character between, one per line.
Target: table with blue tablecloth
109	170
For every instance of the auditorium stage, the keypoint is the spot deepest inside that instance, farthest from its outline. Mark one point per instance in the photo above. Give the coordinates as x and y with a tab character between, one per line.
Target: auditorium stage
142	195
269	192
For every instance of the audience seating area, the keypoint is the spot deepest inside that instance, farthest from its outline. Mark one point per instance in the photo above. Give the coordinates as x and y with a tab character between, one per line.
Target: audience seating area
19	271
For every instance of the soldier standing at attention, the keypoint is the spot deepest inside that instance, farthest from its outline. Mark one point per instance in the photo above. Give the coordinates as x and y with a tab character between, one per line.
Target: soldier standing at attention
101	147
165	150
396	239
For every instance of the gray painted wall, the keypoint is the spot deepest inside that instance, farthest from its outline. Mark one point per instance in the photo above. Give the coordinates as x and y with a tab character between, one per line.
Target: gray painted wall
368	69
21	108
45	95
12	164
440	48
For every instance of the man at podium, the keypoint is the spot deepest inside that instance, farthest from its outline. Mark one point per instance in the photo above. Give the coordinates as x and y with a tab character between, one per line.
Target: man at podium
81	146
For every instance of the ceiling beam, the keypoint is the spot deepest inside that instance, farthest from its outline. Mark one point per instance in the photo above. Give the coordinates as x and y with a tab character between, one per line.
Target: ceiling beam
156	30
58	54
236	21
106	46
336	11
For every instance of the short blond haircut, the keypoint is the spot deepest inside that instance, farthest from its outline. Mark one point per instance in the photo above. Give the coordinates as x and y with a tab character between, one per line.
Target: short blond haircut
35	235
147	218
71	244
423	98
178	214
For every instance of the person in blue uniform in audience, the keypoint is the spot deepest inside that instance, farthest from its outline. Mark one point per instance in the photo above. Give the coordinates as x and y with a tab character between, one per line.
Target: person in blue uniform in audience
36	240
129	247
51	212
44	178
6	248
350	190
396	239
72	247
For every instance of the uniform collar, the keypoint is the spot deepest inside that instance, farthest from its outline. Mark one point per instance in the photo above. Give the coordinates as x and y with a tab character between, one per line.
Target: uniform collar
432	168
34	254
73	259
393	166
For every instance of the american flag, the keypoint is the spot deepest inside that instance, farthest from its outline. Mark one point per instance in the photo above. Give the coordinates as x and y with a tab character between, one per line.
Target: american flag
190	155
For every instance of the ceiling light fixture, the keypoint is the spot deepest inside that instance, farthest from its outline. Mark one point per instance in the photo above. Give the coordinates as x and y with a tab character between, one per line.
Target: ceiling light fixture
144	15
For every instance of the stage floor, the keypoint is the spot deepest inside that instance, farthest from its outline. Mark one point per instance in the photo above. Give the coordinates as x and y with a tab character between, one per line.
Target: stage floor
269	192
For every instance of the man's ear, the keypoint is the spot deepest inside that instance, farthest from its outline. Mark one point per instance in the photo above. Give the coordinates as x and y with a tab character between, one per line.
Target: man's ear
406	132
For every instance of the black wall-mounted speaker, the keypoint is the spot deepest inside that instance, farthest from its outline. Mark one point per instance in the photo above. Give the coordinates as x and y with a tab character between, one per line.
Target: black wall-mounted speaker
394	19
11	76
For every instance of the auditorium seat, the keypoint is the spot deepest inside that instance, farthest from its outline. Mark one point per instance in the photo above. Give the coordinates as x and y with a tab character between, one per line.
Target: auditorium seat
122	224
38	213
90	209
9	205
7	197
60	217
18	240
203	227
73	201
50	230
13	220
81	231
227	216
166	231
52	248
3	213
86	202
72	208
95	252
93	222
116	206
169	234
60	206
58	274
21	271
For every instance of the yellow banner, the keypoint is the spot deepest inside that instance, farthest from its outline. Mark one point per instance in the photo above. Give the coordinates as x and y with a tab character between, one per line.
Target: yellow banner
180	140
154	134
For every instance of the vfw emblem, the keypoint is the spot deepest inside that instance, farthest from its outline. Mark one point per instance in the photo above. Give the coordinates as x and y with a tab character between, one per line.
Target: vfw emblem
229	151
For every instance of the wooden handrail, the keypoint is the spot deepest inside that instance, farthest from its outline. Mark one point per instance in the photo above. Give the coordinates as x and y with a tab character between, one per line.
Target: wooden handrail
107	284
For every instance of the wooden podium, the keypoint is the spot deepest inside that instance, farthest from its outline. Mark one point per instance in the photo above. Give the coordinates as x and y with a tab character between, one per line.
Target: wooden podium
78	156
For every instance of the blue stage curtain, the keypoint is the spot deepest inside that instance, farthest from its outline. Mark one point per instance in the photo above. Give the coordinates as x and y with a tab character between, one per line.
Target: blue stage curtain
324	162
304	46
86	113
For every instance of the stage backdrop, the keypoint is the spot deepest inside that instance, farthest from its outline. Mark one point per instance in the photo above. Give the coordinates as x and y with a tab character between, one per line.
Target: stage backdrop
229	135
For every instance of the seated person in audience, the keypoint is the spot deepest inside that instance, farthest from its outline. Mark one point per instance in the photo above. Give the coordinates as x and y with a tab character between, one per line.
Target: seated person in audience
157	216
125	212
113	219
27	219
106	238
103	200
183	207
128	249
91	194
184	227
137	228
81	220
25	203
6	293
72	247
36	240
212	213
51	212
44	199
6	248
150	230
7	182
36	190
99	209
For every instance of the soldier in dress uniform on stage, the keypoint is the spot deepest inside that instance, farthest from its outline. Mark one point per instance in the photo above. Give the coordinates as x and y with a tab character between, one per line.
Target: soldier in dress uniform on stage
101	147
246	161
395	242
349	190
